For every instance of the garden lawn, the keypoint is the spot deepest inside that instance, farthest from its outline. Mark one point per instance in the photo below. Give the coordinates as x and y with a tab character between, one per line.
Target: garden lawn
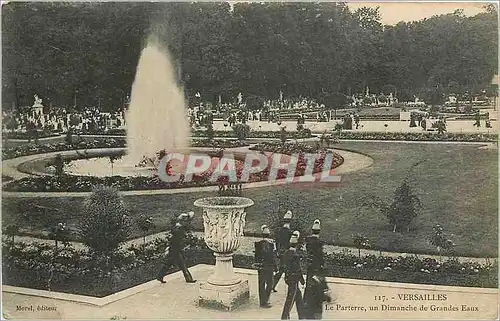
457	185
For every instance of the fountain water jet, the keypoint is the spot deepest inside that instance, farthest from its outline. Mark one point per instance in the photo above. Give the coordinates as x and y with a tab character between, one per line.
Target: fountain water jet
156	117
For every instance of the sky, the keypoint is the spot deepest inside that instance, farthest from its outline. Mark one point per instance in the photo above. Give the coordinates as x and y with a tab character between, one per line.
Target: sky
394	12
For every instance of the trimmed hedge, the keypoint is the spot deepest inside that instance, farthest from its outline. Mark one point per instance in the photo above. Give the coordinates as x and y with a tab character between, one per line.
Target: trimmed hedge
217	133
26	136
25	150
423	136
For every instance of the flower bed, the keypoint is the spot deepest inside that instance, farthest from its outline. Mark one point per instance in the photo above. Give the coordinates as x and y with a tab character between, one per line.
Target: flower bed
26	136
25	150
288	148
255	134
423	136
217	133
81	272
218	144
6	178
73	183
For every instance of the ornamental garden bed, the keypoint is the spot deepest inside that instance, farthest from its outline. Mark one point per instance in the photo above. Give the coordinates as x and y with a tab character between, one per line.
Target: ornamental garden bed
424	136
292	148
26	150
73	183
217	133
79	272
27	136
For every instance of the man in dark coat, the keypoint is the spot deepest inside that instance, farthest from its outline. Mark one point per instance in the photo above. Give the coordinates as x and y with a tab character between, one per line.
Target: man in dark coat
282	245
174	252
293	276
265	261
315	295
314	248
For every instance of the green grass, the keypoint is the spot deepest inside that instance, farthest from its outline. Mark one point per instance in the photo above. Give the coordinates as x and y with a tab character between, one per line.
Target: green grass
457	185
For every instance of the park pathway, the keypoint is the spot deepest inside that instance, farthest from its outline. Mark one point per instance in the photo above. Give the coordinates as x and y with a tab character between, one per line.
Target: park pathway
247	247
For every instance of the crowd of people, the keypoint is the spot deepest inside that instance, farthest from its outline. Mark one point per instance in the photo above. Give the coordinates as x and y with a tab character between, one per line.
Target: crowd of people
59	120
200	115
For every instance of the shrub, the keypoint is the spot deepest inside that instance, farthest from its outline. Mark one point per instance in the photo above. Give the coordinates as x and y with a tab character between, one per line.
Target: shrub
241	131
360	242
283	135
210	132
106	223
440	239
145	224
403	208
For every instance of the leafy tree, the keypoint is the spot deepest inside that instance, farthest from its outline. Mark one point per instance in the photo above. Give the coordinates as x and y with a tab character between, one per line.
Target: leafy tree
59	164
304	49
255	103
440	239
402	209
106	223
241	131
11	123
10	230
59	233
145	224
112	159
210	132
360	242
283	135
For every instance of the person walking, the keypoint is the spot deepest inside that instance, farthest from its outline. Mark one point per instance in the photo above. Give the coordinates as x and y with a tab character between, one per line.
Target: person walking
316	294
282	245
315	285
265	261
174	252
314	249
293	276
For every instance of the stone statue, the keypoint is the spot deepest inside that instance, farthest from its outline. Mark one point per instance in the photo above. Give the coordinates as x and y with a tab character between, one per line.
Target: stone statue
38	101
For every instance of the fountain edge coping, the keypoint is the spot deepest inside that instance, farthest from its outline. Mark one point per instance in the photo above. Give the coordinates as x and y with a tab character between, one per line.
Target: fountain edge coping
18	160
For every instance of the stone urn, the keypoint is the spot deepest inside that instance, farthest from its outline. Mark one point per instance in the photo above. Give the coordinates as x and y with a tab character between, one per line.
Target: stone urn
224	221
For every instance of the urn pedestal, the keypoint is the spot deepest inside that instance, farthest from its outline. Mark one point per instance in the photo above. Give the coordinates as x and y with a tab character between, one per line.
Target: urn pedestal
223	221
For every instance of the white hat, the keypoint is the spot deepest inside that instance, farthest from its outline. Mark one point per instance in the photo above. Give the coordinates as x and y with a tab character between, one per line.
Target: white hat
316	226
182	216
288	215
295	238
265	229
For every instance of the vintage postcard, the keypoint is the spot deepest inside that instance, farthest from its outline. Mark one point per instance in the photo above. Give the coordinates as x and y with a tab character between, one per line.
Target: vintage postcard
249	160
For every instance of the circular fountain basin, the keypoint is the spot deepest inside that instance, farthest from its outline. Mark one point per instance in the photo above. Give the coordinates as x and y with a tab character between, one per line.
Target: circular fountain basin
97	163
